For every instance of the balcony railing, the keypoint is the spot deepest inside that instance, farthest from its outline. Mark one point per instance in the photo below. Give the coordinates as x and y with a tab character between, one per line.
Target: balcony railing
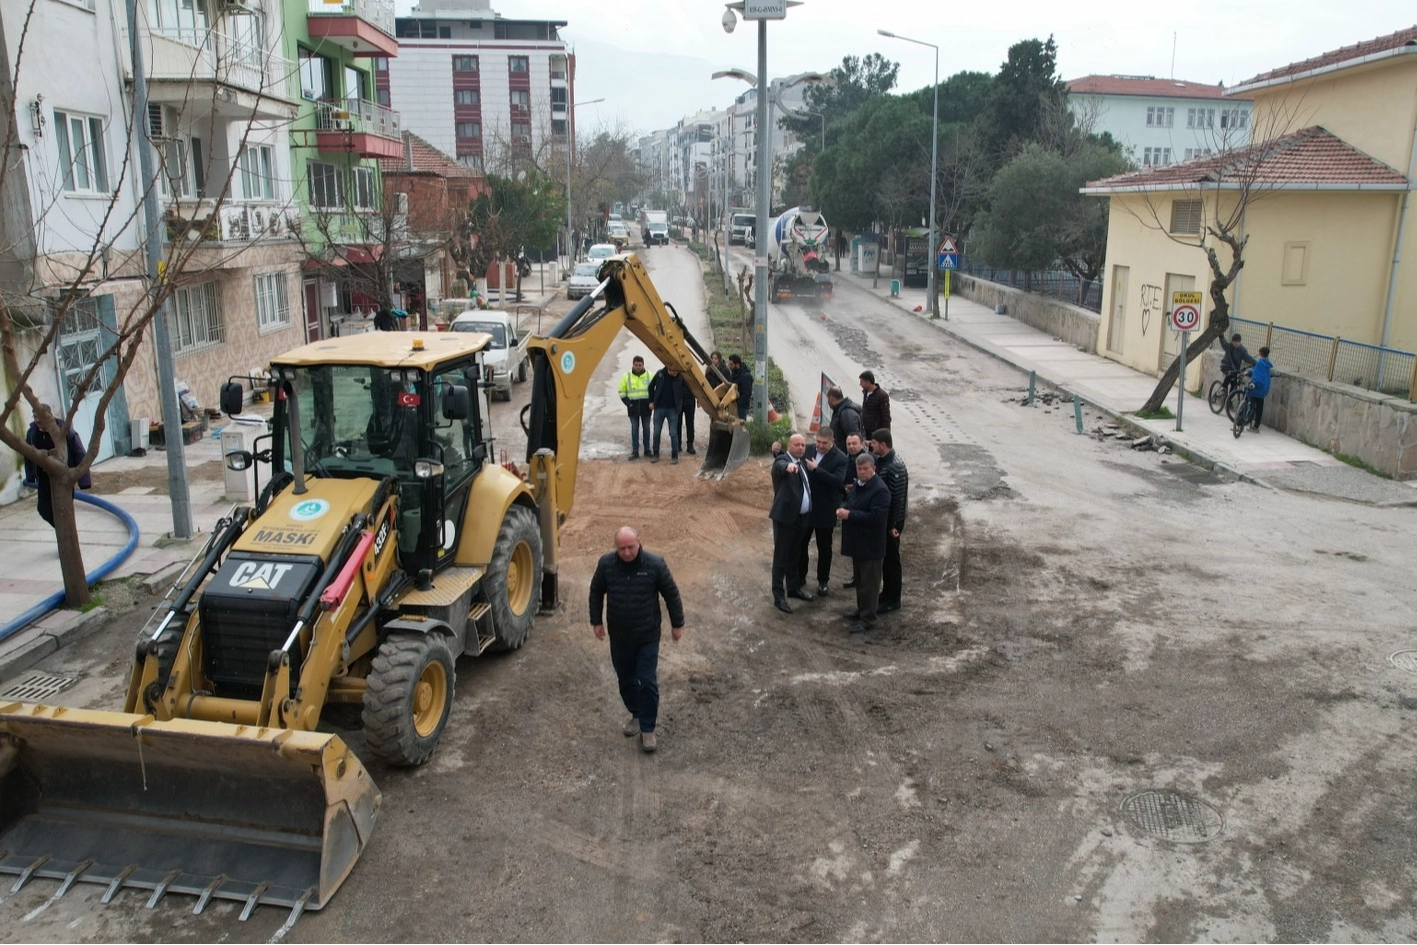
199	219
358	116
378	12
216	56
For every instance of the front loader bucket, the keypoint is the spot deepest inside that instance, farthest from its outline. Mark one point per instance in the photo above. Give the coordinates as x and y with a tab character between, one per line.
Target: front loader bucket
261	816
727	449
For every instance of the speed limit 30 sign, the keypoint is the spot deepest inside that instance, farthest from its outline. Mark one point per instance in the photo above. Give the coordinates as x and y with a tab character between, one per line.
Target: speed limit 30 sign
1185	311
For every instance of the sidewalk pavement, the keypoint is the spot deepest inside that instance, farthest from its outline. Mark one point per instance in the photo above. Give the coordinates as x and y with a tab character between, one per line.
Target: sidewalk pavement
1269	458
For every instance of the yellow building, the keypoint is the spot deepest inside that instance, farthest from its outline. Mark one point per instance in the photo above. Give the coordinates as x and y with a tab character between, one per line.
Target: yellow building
1320	199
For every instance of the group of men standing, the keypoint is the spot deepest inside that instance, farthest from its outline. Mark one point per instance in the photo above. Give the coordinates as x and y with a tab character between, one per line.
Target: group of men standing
664	398
840	479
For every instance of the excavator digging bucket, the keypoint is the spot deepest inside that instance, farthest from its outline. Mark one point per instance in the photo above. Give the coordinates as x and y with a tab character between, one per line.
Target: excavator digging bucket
727	449
261	816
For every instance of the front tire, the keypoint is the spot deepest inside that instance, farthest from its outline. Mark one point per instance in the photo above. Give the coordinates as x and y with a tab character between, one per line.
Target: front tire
1217	396
513	577
521	372
1234	402
409	697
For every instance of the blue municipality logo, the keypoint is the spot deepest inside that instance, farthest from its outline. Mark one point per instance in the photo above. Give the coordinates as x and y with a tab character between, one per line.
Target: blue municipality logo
309	510
568	362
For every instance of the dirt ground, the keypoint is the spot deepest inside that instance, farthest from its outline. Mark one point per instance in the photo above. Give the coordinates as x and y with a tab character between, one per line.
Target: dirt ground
1124	701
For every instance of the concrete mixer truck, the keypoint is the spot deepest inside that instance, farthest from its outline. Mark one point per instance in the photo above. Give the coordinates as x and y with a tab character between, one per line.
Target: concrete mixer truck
797	255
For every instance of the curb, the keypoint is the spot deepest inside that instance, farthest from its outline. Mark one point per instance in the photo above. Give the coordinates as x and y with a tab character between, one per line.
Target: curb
37	642
1191	455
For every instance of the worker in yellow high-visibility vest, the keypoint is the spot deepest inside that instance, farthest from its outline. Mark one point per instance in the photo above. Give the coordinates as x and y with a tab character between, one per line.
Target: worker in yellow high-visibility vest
634	393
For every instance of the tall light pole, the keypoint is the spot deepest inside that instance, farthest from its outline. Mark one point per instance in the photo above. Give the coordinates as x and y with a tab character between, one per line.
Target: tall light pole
934	171
570	144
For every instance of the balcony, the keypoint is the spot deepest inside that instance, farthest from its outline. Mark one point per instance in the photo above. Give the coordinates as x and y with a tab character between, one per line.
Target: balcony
364	27
359	125
236	223
251	81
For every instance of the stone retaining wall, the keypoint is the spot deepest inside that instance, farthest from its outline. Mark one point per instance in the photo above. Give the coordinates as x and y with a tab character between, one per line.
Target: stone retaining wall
1073	324
1379	429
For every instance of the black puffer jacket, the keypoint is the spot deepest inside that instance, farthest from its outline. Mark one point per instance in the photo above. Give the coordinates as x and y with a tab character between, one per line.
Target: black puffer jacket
634	589
891	468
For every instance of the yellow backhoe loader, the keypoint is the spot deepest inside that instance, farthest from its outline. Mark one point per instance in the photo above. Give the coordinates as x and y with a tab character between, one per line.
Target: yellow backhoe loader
384	545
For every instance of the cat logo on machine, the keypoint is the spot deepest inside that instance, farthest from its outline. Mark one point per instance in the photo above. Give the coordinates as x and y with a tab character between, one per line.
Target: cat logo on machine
259	575
380	537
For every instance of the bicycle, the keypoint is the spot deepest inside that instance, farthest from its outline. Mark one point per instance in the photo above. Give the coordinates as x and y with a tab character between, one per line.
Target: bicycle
1244	410
1220	391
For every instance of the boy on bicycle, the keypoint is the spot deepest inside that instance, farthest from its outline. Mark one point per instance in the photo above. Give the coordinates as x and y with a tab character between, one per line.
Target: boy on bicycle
1234	359
1259	387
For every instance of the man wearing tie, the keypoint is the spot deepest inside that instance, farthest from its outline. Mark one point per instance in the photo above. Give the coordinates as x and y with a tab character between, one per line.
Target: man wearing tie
791	520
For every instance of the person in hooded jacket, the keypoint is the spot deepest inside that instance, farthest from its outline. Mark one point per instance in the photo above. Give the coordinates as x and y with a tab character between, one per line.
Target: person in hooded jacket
39	438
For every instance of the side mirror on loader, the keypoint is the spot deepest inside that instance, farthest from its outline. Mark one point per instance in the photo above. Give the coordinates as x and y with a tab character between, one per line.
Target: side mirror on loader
239	460
233	398
457	403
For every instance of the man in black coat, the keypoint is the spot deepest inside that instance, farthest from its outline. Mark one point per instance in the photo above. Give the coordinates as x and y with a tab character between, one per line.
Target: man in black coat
891	468
635	580
826	470
667	394
863	539
38	437
875	405
846	417
742	378
791	516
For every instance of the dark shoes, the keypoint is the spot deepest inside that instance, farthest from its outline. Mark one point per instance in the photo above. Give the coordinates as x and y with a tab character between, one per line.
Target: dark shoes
850	583
674	459
851	615
800	594
634	455
654	457
782	605
691	451
859	627
823	590
887	608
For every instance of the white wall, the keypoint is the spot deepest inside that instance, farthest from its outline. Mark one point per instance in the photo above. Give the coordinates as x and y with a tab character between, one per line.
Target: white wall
1124	117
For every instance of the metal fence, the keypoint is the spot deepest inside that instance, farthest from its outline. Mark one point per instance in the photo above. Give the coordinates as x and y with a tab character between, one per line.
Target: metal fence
1309	354
1054	283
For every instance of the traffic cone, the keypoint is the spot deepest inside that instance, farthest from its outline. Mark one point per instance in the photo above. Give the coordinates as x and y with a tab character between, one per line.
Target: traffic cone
816	423
772	413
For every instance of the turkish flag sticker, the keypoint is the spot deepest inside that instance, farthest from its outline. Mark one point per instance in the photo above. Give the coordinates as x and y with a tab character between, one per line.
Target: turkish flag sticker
409	400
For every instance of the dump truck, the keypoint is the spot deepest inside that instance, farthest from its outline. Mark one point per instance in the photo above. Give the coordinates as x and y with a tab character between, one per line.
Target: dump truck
797	255
386	543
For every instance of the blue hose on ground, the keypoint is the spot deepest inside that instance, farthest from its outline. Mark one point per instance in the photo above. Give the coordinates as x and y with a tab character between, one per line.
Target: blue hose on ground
53	601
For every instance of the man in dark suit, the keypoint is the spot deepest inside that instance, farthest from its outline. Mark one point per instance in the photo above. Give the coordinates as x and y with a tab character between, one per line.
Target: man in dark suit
826	470
890	469
863	539
846	418
791	519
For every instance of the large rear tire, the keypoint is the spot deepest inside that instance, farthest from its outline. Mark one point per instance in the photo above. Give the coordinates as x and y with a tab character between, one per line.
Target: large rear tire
1217	396
409	697
513	577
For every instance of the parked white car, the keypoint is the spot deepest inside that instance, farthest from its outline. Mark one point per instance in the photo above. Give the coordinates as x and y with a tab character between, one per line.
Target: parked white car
506	355
584	280
601	251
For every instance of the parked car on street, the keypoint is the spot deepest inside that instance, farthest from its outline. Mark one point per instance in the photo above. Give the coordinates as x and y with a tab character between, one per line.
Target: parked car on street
506	356
584	279
601	251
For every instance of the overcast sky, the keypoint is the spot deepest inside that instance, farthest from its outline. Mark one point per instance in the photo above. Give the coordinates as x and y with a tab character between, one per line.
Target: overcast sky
650	59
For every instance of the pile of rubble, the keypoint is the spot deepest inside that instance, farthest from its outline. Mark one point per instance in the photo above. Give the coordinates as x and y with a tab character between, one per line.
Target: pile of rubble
1149	443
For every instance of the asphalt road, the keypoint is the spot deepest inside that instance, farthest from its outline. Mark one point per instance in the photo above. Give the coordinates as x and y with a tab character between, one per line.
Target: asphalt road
1124	701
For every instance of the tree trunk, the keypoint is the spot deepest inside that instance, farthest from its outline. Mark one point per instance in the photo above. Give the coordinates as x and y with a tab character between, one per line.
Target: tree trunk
1193	351
66	536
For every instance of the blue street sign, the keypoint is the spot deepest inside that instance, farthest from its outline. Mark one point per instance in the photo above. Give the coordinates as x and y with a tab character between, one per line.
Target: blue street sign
948	261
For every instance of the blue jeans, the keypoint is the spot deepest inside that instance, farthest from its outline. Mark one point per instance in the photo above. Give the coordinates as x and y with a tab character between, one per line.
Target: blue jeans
636	425
671	416
636	667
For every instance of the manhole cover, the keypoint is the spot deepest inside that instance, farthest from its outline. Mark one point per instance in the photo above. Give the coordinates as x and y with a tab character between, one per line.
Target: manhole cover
36	687
1405	660
1171	815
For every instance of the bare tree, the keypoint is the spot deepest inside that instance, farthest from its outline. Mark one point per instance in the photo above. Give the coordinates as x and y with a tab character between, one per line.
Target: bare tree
42	292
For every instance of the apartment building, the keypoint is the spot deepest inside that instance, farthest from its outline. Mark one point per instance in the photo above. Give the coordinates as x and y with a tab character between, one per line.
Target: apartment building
1160	121
488	89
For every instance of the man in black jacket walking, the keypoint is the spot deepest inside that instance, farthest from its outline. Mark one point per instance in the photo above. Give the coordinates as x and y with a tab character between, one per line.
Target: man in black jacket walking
791	517
863	539
846	417
634	580
826	470
875	405
891	469
667	393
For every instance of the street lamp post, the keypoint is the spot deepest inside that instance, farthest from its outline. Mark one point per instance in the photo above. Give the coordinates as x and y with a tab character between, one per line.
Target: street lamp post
570	145
934	171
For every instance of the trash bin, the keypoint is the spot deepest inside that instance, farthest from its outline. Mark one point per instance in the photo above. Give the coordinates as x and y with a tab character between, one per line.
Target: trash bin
236	437
895	288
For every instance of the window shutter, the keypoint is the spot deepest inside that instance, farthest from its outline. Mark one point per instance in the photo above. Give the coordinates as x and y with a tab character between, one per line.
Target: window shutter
1186	217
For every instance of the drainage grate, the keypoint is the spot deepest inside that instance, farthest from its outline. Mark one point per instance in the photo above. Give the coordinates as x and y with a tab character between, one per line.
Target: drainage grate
1171	815
36	687
1405	660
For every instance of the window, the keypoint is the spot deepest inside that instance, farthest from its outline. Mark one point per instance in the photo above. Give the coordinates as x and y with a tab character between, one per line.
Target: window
518	64
464	63
558	127
521	131
317	78
1159	116
558	68
184	19
181	168
353	83
195	319
466	97
272	307
1296	264
521	100
383	97
473	161
83	161
1185	217
558	96
1190	118
365	195
381	64
326	190
257	165
445	32
1234	118
469	129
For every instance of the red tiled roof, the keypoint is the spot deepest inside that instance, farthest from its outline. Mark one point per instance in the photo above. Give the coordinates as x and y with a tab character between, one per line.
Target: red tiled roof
1407	37
1143	86
1312	156
426	160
